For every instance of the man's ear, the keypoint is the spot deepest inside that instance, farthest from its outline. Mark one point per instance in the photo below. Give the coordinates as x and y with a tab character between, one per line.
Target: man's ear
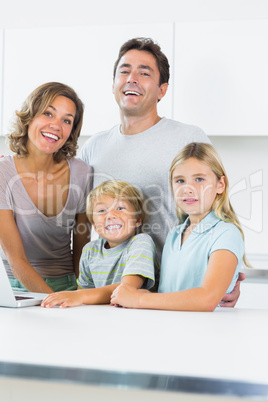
221	185
162	90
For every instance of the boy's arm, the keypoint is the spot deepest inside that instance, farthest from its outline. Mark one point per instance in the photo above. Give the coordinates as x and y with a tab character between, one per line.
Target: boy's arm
89	296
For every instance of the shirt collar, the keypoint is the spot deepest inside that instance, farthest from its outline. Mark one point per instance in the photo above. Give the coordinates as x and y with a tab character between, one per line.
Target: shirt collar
206	224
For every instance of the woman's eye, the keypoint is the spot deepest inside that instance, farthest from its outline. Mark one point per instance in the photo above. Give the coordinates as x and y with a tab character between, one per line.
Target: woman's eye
67	121
47	113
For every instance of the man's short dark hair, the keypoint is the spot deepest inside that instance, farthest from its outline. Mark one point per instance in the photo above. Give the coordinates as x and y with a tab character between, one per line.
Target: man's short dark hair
146	45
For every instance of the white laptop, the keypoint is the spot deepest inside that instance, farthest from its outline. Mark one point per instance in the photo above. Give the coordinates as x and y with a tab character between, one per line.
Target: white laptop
8	298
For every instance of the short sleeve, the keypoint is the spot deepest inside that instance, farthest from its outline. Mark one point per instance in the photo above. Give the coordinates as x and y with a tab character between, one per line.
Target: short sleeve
85	280
141	259
229	238
5	194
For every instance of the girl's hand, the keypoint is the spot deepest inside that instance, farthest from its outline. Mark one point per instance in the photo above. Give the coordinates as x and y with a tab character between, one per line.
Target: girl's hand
126	296
63	299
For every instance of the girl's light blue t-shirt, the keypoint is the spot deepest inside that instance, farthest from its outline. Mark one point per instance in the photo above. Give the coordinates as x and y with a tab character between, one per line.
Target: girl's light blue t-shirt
184	266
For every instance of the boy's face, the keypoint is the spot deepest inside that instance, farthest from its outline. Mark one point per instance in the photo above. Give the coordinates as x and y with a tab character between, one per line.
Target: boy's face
114	219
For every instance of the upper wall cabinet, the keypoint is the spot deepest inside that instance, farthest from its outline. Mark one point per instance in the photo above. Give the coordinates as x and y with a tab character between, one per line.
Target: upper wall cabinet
82	57
221	76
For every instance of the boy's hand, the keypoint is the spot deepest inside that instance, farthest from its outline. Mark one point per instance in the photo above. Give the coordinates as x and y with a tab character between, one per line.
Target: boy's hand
63	299
230	299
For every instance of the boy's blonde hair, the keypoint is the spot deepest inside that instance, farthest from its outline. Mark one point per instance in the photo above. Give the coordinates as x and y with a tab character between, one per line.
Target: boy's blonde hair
207	154
117	189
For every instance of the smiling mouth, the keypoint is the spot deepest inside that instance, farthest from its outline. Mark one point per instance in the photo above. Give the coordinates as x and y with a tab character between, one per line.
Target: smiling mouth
127	93
190	200
113	227
49	135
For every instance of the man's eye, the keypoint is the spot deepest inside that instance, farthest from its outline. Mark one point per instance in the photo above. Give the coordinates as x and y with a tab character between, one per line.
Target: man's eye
146	74
124	72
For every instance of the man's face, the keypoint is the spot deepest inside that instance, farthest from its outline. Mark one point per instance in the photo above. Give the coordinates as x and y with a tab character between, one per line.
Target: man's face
136	83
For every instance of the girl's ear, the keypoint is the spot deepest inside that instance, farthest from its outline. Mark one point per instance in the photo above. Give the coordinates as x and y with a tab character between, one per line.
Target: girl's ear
221	185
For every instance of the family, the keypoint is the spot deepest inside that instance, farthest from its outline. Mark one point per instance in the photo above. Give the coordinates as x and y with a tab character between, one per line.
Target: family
152	190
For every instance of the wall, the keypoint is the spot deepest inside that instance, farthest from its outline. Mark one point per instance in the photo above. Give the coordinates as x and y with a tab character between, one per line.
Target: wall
245	158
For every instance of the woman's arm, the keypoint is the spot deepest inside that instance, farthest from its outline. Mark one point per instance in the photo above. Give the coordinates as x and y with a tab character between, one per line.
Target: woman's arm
12	246
219	274
90	296
81	236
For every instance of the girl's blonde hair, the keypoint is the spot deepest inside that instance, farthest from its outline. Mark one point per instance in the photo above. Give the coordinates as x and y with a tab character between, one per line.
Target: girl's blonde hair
207	154
117	189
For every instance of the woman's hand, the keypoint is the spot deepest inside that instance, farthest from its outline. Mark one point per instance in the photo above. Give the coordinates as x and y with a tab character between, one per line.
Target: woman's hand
63	299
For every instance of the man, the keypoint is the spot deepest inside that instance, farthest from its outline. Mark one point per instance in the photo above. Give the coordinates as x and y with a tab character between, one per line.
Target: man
140	149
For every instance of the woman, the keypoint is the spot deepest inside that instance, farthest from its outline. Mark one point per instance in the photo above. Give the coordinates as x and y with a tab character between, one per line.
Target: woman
43	189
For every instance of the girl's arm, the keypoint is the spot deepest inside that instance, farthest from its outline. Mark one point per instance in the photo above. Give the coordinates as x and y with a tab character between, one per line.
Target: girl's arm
90	296
81	236
12	246
221	268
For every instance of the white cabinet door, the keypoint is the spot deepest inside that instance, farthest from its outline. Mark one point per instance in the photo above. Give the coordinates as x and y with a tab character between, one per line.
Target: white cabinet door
1	80
221	76
82	57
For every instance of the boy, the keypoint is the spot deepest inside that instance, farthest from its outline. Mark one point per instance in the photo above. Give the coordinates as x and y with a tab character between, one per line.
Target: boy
115	209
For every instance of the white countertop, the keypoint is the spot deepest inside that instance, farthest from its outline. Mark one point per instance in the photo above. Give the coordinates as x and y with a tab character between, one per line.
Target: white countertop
228	344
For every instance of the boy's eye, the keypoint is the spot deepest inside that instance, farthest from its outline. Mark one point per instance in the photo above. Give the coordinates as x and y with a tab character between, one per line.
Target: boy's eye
101	211
120	208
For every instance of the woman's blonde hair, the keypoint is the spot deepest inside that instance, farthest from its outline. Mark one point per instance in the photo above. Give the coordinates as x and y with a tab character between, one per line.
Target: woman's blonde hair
36	104
207	154
117	189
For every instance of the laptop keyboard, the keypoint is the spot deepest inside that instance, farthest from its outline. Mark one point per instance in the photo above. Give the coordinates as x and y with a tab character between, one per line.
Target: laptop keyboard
22	297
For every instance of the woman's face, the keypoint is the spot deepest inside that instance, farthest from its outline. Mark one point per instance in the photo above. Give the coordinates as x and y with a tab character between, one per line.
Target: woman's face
48	132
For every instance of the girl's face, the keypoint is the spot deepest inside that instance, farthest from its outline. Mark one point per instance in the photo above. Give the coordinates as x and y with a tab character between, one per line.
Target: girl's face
195	187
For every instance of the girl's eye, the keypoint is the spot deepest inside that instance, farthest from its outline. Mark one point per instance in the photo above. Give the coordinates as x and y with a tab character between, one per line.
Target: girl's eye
120	208
101	211
180	181
199	179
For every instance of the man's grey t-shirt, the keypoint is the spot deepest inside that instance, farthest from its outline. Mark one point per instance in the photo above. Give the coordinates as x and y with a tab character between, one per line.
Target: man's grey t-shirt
144	160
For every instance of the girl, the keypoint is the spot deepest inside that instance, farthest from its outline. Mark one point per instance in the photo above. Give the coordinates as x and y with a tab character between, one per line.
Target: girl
201	256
